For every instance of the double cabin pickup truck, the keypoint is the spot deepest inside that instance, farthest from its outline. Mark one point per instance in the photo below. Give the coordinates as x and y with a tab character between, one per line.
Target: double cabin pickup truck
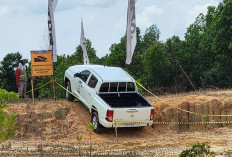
110	94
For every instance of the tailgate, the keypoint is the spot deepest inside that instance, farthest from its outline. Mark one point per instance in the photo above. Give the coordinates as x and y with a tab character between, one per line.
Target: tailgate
132	114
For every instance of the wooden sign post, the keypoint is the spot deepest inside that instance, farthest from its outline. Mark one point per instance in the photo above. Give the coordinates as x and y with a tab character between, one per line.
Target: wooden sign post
41	66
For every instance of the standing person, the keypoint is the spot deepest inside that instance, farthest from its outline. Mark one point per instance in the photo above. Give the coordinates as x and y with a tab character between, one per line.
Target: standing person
21	79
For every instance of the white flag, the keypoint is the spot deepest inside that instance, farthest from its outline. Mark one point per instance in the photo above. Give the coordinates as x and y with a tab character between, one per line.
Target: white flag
82	42
51	28
131	31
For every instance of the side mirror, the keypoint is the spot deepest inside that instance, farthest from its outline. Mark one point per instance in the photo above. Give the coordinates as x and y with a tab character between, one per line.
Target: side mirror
77	75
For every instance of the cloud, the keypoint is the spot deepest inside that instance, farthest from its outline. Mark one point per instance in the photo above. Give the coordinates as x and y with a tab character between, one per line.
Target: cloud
146	18
67	5
96	3
24	22
22	7
197	9
4	11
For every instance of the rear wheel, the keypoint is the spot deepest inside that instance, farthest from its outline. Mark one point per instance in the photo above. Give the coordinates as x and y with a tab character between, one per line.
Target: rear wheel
95	121
69	96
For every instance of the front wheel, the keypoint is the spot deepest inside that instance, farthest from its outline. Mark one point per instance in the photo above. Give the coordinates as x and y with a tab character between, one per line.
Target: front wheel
69	96
95	121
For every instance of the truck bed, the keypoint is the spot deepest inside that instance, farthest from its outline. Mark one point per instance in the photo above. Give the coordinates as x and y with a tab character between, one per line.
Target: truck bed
125	100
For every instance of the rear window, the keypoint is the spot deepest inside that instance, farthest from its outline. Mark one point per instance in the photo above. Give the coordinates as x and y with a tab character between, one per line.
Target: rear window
122	87
117	87
104	87
113	86
130	86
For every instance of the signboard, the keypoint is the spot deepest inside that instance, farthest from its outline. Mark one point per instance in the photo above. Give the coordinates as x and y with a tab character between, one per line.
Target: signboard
41	63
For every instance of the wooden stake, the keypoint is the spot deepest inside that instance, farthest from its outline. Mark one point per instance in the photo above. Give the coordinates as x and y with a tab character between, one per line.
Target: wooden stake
202	125
32	89
116	131
54	88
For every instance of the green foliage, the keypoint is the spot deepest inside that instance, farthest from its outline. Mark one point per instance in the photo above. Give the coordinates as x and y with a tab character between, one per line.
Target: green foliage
7	122
199	149
150	38
78	55
7	71
90	127
6	97
156	68
79	137
203	56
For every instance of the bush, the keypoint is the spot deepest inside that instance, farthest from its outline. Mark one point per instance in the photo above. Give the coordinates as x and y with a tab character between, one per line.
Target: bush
199	149
7	122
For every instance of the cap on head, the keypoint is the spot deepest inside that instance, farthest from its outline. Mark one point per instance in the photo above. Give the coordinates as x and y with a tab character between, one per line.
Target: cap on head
22	62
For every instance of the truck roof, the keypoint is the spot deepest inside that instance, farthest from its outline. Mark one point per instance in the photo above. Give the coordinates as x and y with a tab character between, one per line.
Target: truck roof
107	74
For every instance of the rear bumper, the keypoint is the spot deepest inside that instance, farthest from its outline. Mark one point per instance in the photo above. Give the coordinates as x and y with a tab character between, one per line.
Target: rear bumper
126	124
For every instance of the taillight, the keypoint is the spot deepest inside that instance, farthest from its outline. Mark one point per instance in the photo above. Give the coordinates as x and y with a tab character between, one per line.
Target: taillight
110	115
152	114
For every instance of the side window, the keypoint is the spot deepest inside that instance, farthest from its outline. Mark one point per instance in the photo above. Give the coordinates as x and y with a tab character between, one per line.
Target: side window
84	75
104	87
92	81
130	86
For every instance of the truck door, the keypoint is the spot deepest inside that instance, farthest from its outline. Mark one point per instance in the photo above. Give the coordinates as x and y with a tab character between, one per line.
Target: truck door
82	86
92	82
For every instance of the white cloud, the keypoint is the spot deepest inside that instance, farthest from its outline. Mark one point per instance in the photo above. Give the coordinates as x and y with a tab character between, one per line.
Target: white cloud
146	18
197	9
4	11
23	22
95	3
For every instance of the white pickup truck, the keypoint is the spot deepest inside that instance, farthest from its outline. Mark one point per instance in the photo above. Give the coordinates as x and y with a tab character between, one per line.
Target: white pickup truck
110	94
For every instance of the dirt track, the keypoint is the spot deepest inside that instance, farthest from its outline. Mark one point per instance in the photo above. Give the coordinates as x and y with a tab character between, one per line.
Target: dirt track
62	121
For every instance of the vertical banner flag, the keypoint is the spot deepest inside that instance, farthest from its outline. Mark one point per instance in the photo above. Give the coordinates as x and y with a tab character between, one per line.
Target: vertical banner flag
51	28
82	42
130	31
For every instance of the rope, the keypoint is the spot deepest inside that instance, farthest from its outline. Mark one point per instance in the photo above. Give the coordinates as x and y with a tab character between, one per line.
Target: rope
40	87
195	113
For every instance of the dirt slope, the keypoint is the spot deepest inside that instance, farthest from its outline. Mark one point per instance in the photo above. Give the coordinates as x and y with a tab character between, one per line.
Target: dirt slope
62	121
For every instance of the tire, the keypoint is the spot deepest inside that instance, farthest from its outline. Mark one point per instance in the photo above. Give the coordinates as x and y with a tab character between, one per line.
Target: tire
95	121
68	95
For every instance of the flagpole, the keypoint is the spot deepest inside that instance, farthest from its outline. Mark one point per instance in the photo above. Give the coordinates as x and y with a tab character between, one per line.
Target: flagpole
53	80
52	39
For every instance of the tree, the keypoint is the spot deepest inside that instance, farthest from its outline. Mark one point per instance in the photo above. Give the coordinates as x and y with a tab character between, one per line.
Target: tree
150	38
175	50
7	122
222	43
117	57
156	67
78	55
7	71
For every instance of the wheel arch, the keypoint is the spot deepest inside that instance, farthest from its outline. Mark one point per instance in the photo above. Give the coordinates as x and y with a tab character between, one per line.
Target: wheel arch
66	80
93	109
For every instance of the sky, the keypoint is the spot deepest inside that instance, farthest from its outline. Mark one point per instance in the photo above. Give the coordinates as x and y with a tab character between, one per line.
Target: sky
23	23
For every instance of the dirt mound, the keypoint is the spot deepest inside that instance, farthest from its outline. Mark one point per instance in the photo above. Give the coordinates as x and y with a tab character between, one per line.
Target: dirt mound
62	121
208	103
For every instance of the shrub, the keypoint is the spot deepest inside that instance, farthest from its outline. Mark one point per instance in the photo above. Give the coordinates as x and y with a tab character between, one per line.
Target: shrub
7	122
199	149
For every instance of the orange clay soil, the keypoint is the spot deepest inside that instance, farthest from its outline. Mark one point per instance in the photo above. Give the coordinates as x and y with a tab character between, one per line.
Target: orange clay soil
60	122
